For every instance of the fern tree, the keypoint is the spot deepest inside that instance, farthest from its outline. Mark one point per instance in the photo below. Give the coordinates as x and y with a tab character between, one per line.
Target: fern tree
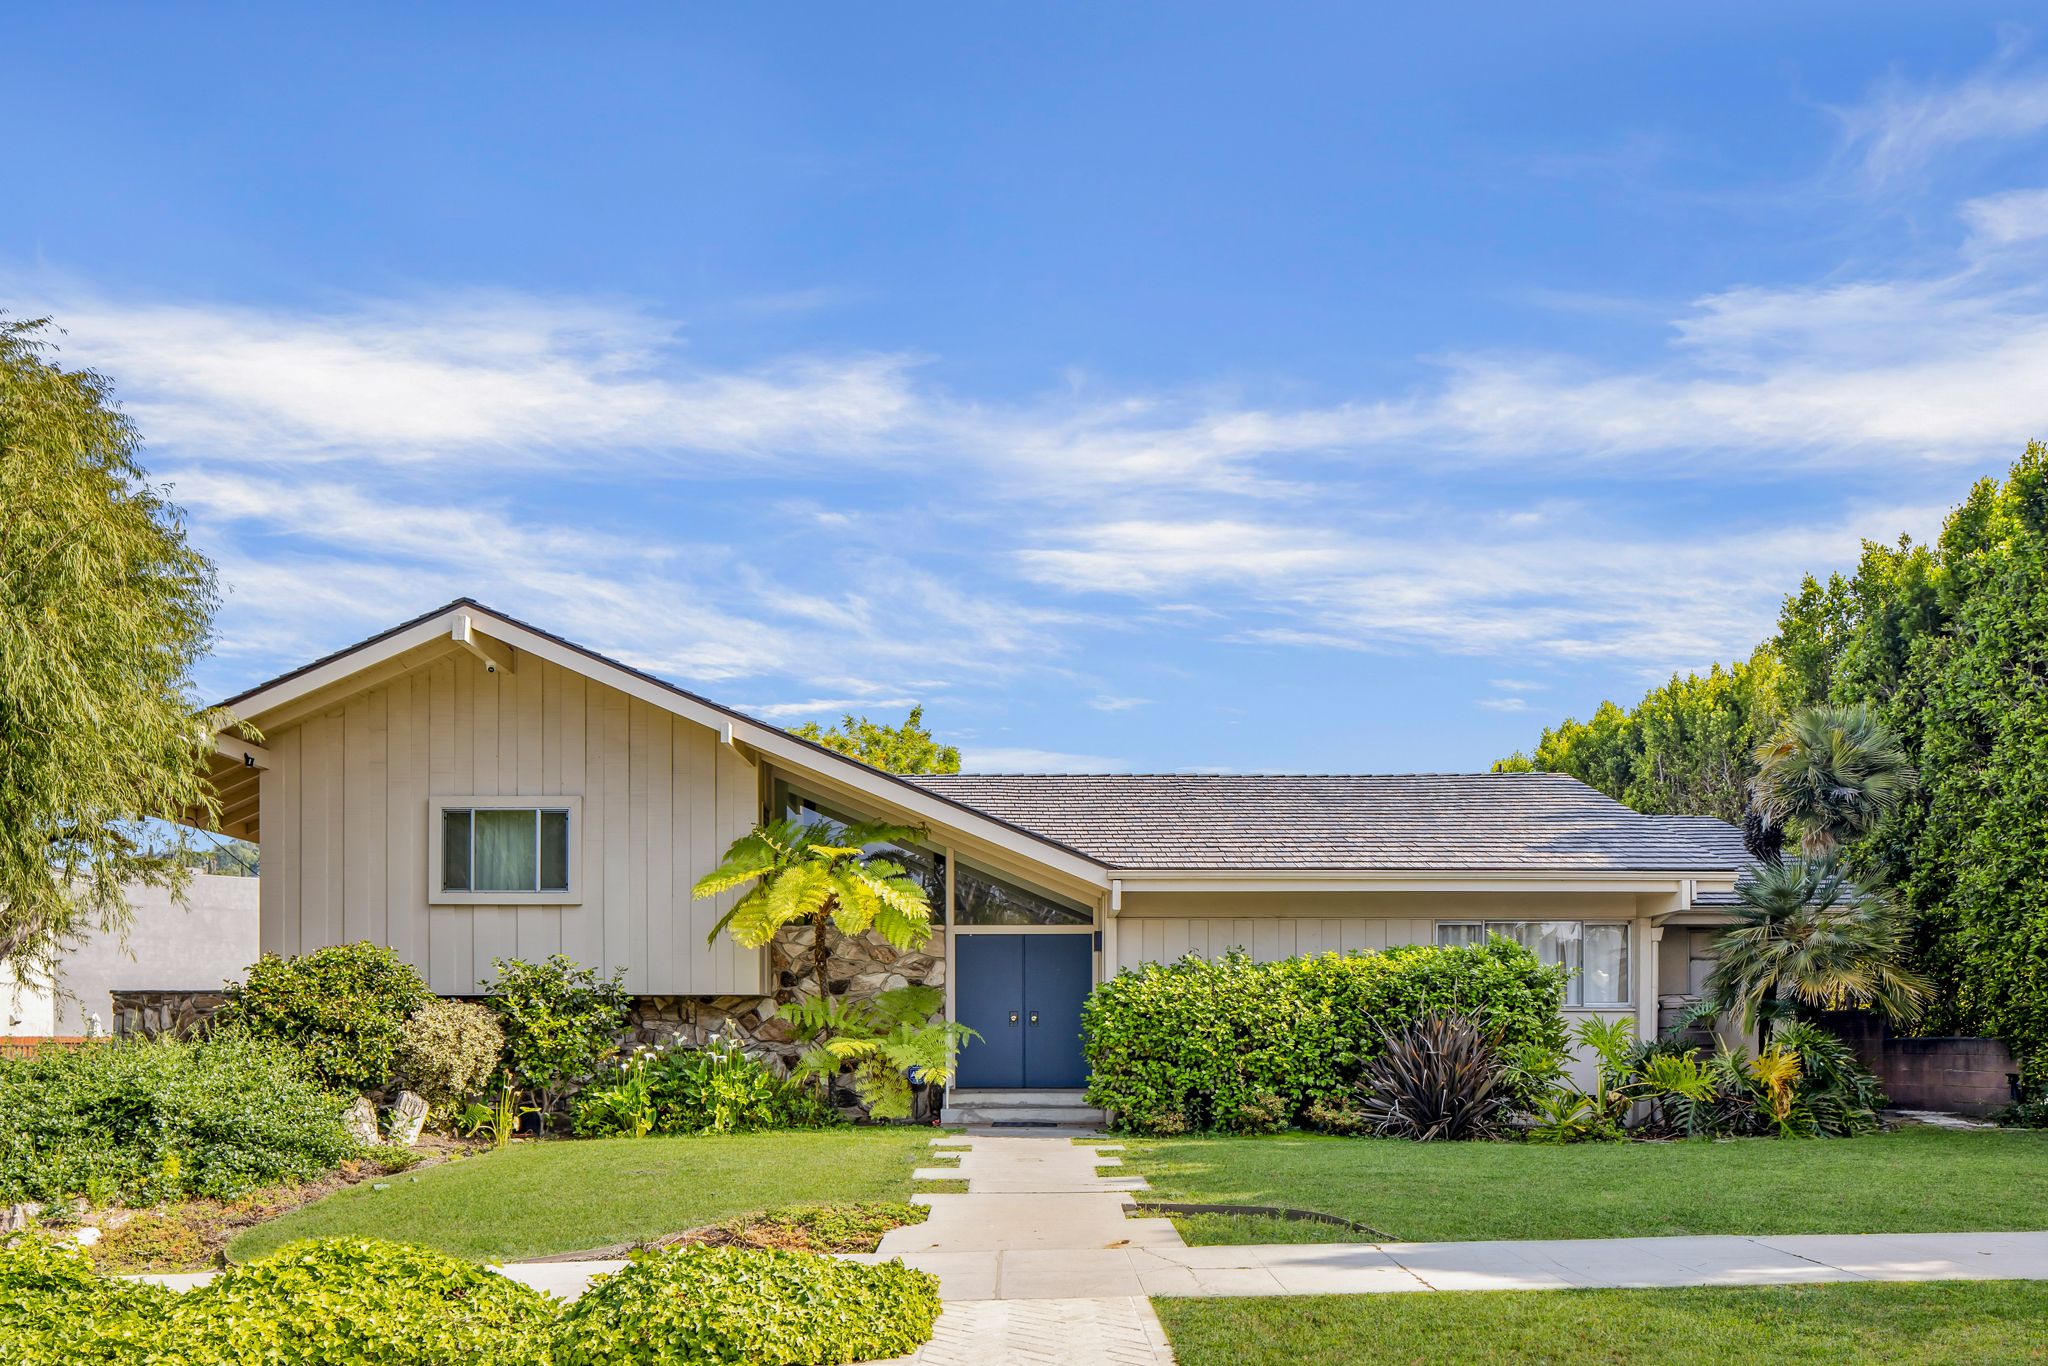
889	1041
1803	936
819	872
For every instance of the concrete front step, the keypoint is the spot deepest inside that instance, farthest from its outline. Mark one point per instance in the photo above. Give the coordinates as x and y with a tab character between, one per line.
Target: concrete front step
1020	1107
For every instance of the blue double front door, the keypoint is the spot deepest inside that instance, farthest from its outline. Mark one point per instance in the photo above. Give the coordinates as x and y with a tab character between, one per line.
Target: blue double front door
1023	994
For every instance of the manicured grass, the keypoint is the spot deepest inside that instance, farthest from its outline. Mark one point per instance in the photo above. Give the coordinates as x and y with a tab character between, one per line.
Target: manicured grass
533	1199
1939	1321
1912	1180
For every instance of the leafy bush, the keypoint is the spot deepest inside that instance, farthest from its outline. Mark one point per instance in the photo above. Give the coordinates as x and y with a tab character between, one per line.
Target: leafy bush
449	1050
708	1306
343	1008
365	1302
1436	1079
715	1089
55	1308
560	1022
1806	1084
1237	1045
146	1120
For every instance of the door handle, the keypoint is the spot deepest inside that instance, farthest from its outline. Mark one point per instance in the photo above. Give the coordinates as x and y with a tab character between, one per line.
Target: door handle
1034	1017
1013	1018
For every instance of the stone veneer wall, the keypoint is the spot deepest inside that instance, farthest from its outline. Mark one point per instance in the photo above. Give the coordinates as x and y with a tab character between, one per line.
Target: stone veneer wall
859	968
150	1012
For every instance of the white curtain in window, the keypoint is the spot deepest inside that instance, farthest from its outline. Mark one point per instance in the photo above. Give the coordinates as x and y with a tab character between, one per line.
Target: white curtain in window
505	852
1460	936
1604	978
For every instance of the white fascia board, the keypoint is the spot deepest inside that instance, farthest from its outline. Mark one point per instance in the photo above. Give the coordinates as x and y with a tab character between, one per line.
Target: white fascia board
1393	880
437	628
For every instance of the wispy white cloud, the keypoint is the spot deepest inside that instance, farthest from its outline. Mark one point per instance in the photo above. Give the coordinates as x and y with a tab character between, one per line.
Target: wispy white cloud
1105	702
2006	218
1570	592
1516	685
1903	125
1508	704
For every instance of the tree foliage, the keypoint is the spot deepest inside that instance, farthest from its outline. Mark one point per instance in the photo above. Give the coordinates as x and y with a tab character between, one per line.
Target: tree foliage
1803	935
1947	645
820	872
1831	775
908	748
104	607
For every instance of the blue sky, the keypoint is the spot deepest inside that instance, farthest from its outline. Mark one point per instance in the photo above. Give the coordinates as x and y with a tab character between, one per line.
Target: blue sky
1245	387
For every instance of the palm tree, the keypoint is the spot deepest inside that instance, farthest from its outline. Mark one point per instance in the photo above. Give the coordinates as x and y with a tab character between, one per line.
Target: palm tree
1804	935
1830	774
821	872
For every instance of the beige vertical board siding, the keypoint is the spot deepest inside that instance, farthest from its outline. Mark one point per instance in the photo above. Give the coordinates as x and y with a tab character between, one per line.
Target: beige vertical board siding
270	890
658	845
704	854
448	749
738	970
320	878
287	771
582	926
496	773
400	904
617	850
540	749
345	824
638	718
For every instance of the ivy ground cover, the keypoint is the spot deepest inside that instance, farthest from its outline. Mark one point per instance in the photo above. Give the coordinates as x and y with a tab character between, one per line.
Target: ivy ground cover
1912	1180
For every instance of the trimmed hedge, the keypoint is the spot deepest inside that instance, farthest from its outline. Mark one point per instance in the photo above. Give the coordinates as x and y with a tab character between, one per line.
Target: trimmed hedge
157	1119
729	1306
1242	1047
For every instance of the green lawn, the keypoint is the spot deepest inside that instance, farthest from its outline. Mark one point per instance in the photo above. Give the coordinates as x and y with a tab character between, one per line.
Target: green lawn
532	1199
1912	1180
1941	1321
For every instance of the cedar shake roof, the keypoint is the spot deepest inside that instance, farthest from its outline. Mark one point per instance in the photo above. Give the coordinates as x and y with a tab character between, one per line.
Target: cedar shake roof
1420	821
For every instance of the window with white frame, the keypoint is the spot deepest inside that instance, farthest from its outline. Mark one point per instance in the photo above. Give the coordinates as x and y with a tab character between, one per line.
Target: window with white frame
1595	952
487	849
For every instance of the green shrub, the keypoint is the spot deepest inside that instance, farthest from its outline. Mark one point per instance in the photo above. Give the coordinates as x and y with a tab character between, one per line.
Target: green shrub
144	1120
560	1022
1241	1046
364	1302
709	1306
343	1008
715	1089
449	1049
55	1308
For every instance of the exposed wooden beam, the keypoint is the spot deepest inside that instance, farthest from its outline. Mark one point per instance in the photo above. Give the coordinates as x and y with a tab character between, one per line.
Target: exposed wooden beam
496	654
240	751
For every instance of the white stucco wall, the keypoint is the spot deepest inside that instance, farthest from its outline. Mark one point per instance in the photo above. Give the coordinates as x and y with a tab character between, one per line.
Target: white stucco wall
208	941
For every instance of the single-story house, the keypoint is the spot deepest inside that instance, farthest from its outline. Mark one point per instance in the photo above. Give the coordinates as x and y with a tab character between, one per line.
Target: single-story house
465	787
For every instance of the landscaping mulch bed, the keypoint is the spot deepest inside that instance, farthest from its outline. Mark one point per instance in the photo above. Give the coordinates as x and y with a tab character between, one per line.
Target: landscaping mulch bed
191	1235
807	1228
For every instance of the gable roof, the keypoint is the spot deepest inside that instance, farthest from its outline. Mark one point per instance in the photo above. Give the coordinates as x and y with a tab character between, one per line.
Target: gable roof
1092	825
1367	822
781	747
